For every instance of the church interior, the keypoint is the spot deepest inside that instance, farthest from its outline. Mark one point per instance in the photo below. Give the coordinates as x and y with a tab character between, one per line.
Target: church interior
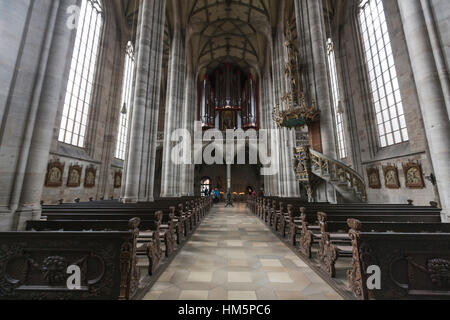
224	150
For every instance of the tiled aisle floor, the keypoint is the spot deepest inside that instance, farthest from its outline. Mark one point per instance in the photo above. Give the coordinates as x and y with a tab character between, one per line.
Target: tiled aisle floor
234	256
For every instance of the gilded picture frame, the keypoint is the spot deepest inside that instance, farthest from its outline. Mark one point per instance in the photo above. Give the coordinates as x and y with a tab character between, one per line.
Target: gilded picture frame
74	177
373	175
391	178
117	179
90	177
54	176
413	175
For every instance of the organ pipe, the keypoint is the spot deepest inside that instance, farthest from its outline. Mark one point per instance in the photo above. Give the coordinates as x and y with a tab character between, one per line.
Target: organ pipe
227	89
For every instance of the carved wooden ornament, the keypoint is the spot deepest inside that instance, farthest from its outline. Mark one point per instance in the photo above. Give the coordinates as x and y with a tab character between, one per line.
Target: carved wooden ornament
391	179
413	175
54	175
89	180
374	178
74	178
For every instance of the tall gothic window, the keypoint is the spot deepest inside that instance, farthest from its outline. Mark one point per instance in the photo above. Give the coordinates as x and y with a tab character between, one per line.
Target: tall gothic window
82	71
383	76
342	146
126	102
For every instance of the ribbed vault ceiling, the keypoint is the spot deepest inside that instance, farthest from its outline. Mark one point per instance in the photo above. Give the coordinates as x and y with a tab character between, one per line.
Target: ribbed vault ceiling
219	31
233	31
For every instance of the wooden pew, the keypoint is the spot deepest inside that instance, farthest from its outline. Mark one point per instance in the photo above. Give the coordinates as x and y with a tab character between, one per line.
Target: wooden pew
334	240
33	265
414	262
197	207
149	238
368	213
153	221
305	227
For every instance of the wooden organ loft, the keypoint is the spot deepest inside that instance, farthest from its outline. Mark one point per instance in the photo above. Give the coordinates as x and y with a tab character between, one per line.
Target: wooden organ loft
228	99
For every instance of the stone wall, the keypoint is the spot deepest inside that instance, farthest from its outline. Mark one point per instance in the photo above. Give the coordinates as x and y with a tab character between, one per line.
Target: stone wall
103	122
362	137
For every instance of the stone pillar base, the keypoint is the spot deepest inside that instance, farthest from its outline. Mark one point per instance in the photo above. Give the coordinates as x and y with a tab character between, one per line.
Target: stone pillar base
24	214
6	219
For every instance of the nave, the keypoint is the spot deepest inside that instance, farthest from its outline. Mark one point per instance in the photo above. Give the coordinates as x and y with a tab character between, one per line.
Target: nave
234	256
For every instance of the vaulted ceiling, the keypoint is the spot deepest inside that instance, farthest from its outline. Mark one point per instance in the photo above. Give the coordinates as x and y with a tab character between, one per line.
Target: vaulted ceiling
220	31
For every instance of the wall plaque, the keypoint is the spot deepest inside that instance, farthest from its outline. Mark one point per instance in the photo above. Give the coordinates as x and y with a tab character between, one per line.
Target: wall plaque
55	171
89	181
391	179
413	175
117	179
374	178
74	178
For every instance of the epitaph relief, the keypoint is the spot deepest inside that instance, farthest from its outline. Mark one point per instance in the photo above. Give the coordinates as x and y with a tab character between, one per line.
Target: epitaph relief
117	179
54	175
74	178
413	175
374	178
89	181
391	179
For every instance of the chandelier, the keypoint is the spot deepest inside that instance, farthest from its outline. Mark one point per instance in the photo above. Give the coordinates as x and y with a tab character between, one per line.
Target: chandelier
293	110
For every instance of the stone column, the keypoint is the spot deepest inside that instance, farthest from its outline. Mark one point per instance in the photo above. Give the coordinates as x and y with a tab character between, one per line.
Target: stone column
431	95
321	74
170	179
33	158
274	186
288	183
309	15
188	118
144	126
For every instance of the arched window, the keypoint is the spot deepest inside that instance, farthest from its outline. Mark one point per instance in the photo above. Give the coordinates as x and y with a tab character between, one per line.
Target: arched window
382	74
342	146
126	102
82	71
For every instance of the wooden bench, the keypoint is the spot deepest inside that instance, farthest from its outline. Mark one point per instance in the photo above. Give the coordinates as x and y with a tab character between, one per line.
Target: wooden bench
414	261
368	214
152	221
334	240
149	238
33	265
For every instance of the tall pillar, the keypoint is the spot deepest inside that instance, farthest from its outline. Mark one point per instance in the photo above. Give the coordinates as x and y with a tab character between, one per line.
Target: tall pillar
321	74
188	118
287	180
144	126
311	26
274	186
33	160
170	179
431	95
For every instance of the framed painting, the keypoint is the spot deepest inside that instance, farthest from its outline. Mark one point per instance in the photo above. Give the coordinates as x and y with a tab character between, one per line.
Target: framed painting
55	171
413	175
374	178
391	179
90	176
74	178
117	179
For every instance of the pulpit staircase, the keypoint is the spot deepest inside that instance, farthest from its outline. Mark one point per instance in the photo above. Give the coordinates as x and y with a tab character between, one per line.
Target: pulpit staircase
347	182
